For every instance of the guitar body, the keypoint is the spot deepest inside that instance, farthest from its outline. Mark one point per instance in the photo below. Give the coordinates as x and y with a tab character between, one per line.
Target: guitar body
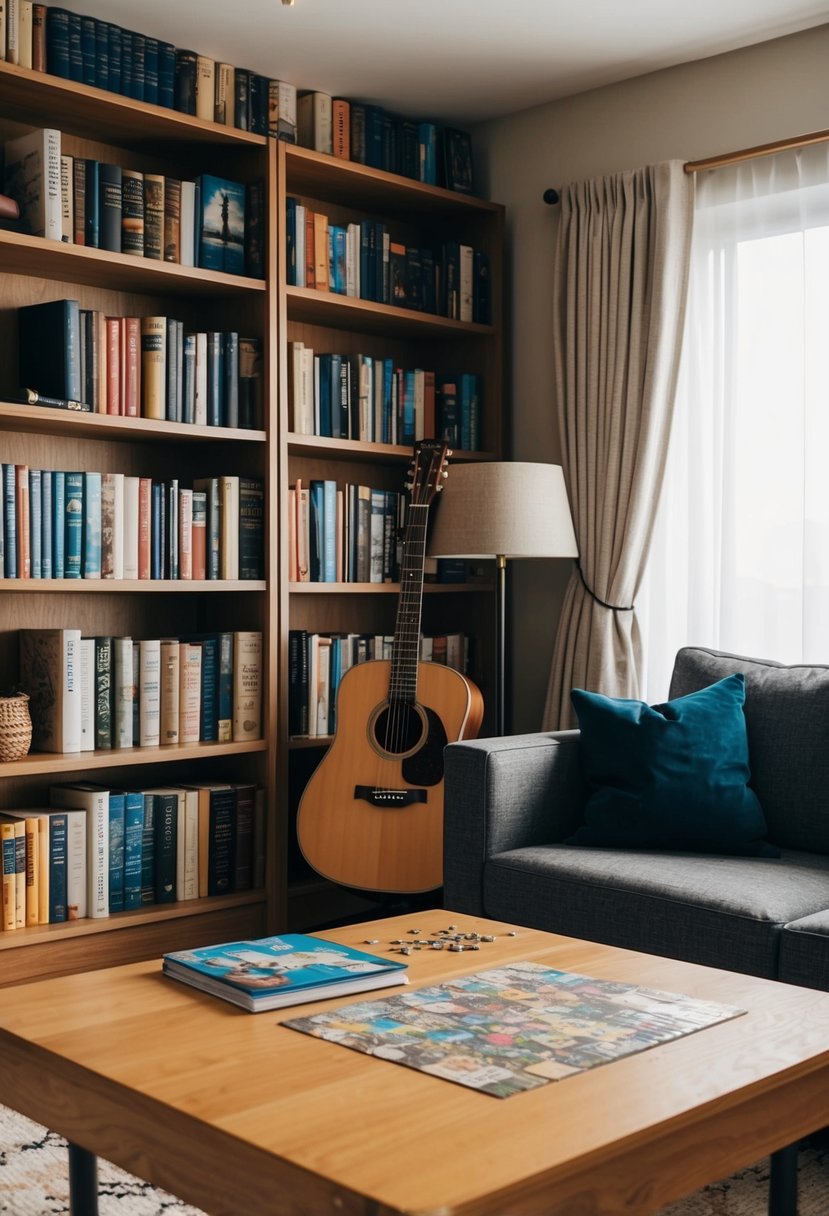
371	816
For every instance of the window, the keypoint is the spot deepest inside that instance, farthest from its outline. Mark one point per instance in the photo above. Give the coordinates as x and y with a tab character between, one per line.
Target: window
740	557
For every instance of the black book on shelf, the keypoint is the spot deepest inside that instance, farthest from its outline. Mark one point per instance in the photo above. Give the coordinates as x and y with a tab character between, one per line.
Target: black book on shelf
185	85
109	207
49	349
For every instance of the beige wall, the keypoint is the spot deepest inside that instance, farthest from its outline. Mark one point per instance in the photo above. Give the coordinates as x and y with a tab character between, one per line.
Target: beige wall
762	93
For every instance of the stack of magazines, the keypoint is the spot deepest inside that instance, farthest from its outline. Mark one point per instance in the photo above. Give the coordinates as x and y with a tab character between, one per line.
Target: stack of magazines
272	972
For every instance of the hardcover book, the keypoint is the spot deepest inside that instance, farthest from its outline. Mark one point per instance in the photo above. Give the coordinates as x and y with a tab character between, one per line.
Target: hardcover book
32	178
273	972
49	674
221	224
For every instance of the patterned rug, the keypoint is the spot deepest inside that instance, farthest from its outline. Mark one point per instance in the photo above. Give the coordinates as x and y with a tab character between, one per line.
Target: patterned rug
33	1182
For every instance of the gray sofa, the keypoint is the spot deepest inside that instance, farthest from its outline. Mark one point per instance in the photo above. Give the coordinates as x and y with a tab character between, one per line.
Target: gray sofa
511	802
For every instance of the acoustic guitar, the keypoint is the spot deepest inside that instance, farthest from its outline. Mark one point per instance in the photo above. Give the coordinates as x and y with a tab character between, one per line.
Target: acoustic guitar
371	816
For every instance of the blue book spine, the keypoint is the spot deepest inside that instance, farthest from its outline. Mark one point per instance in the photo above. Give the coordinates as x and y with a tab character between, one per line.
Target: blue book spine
388	400
126	63
470	411
92	525
427	138
151	92
117	807
9	522
92	204
156	529
209	723
172	528
215	377
46	559
57	42
166	74
221	855
138	49
35	523
89	49
408	407
133	838
148	850
114	36
73	535
374	137
58	522
75	48
188	392
102	54
329	552
57	869
325	414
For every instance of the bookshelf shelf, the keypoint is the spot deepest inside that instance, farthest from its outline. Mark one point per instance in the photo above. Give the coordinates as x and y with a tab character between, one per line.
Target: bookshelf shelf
99	114
385	588
107	127
345	312
23	254
353	449
44	420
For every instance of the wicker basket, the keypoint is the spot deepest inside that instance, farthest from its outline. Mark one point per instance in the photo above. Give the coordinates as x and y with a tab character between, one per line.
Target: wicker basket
15	727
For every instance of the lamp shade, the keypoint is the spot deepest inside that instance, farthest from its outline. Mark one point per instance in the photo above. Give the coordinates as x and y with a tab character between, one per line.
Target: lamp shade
504	508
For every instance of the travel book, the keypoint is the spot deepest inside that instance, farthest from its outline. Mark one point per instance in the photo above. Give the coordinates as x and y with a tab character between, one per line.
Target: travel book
272	972
516	1027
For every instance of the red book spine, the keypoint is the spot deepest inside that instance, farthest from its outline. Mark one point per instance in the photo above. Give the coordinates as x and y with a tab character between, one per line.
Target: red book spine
144	510
131	366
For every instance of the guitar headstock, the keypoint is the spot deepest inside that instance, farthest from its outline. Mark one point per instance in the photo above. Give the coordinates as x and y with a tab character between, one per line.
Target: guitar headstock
427	470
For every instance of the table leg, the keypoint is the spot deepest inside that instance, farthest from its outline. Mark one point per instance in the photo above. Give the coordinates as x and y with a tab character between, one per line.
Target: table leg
783	1182
83	1182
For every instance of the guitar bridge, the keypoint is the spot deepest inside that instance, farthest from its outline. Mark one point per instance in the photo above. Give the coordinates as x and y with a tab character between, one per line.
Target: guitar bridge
388	798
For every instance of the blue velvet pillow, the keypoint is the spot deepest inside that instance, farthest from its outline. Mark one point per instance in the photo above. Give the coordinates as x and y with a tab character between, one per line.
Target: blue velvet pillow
672	776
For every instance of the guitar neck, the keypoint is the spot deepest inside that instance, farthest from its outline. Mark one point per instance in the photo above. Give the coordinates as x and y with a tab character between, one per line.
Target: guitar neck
406	648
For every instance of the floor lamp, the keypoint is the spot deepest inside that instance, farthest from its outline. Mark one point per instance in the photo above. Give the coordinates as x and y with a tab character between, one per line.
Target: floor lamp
503	510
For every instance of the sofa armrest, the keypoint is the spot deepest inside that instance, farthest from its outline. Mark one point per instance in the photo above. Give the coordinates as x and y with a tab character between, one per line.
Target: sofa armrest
501	794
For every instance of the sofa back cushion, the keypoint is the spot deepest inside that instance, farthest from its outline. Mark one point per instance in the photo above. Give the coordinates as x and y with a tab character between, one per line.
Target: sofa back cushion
787	719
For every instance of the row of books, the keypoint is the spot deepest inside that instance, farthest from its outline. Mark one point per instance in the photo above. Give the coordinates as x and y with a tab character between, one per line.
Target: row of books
343	535
100	53
362	260
91	525
139	366
210	222
102	693
95	850
107	56
371	135
317	663
358	396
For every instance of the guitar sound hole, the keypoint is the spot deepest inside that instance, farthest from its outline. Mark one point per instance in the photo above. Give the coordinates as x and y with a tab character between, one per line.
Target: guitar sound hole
398	729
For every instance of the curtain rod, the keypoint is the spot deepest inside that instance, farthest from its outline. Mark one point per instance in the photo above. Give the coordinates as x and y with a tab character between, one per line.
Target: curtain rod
781	145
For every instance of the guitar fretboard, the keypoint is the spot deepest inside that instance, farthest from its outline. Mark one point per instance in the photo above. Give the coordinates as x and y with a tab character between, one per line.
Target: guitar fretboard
406	650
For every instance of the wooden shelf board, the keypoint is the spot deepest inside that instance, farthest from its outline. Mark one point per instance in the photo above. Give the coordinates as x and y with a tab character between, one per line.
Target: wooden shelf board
35	255
41	419
385	588
354	449
97	113
313	307
315	173
110	586
302	742
150	915
36	763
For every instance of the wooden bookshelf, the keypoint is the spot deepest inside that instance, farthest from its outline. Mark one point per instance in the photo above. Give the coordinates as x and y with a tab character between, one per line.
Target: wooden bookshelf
108	127
336	323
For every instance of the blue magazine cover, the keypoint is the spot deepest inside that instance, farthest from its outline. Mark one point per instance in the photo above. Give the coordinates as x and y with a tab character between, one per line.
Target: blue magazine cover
271	972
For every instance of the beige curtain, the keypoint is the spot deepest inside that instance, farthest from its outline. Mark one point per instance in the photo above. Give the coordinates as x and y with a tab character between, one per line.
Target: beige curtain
621	274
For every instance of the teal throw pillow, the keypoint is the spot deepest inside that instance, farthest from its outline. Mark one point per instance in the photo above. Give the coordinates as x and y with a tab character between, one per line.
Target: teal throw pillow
670	777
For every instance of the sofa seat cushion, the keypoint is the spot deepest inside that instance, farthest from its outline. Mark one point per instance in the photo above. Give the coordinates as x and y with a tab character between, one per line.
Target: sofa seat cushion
804	952
720	911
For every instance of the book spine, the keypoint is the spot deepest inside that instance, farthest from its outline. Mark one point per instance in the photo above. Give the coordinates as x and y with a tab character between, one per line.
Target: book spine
230	376
198	538
225	93
151	71
154	216
148	850
221	860
132	212
166	830
92	525
170	704
243	845
167	75
224	688
215	378
115	829
208	716
114	51
185	82
149	686
110	207
229	522
133	834
185	533
251	528
172	219
92	204
58	828
190	660
86	680
247	685
122	695
57	42
103	693
154	366
205	88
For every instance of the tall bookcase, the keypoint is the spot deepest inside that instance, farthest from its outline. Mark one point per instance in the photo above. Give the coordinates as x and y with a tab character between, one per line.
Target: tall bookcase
112	128
420	215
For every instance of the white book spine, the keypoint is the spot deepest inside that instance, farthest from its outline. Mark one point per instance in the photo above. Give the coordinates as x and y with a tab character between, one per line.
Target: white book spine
13	31
3	29
97	856
129	539
76	885
67	199
229	520
190	882
71	692
149	692
185	534
53	219
205	88
124	684
118	526
247	685
86	675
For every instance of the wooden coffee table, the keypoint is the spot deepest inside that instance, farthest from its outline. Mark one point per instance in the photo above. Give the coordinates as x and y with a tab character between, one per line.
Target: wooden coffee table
239	1115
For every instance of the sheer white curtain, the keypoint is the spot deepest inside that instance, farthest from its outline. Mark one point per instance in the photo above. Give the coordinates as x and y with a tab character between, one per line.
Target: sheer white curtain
740	554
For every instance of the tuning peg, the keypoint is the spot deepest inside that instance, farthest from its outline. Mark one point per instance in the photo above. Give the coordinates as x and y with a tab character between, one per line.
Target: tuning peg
449	452
407	485
439	487
445	473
